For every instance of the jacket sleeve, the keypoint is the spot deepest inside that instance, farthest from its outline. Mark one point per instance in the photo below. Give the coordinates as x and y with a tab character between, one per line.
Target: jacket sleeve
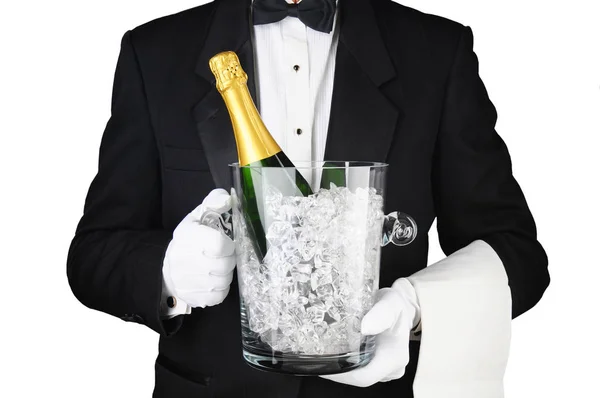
115	260
475	193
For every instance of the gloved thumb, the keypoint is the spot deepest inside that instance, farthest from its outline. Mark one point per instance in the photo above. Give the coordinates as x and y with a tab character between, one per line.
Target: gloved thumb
218	200
383	315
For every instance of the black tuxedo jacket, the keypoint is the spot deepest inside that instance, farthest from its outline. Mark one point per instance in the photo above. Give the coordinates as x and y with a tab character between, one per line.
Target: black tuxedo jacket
406	92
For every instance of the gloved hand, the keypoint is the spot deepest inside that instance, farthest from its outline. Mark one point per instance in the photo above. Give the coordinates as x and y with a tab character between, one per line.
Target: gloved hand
392	318
200	261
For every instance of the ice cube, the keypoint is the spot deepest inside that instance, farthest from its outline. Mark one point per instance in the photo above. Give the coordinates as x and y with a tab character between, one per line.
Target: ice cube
325	291
281	233
321	276
301	272
316	313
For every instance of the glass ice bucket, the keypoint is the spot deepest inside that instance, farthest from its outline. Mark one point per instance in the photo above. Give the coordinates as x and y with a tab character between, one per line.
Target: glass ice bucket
303	299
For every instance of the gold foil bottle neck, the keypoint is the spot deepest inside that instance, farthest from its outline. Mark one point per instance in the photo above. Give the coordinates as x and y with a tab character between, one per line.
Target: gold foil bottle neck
254	142
227	70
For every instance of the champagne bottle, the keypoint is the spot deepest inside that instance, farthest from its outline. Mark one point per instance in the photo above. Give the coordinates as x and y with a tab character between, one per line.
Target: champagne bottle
255	145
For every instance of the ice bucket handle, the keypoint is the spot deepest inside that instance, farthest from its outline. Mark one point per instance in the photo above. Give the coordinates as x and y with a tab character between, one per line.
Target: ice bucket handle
399	229
219	221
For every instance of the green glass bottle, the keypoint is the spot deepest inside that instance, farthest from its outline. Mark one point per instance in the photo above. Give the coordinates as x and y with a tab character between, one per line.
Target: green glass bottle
332	174
255	146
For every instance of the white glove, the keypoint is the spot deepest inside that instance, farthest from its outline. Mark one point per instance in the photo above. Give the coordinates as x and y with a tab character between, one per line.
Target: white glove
200	261
392	317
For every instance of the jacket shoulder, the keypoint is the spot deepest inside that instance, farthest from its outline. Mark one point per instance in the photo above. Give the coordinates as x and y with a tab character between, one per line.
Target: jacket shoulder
413	34
400	19
172	29
392	11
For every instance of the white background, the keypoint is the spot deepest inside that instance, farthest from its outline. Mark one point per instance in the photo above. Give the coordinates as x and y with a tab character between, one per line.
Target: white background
540	61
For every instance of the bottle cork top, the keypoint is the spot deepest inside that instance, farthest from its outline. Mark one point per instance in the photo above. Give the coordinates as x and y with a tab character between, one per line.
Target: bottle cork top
227	70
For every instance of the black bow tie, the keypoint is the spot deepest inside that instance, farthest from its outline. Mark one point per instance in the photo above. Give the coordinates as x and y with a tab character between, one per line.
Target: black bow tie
316	14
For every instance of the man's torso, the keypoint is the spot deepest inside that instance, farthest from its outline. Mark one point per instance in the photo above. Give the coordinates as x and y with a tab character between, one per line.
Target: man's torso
391	67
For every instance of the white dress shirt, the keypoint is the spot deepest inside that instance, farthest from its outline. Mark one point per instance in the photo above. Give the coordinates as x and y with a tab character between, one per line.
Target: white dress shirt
465	299
295	66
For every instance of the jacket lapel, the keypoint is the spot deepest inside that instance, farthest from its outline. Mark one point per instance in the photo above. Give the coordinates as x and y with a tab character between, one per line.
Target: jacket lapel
363	120
229	31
